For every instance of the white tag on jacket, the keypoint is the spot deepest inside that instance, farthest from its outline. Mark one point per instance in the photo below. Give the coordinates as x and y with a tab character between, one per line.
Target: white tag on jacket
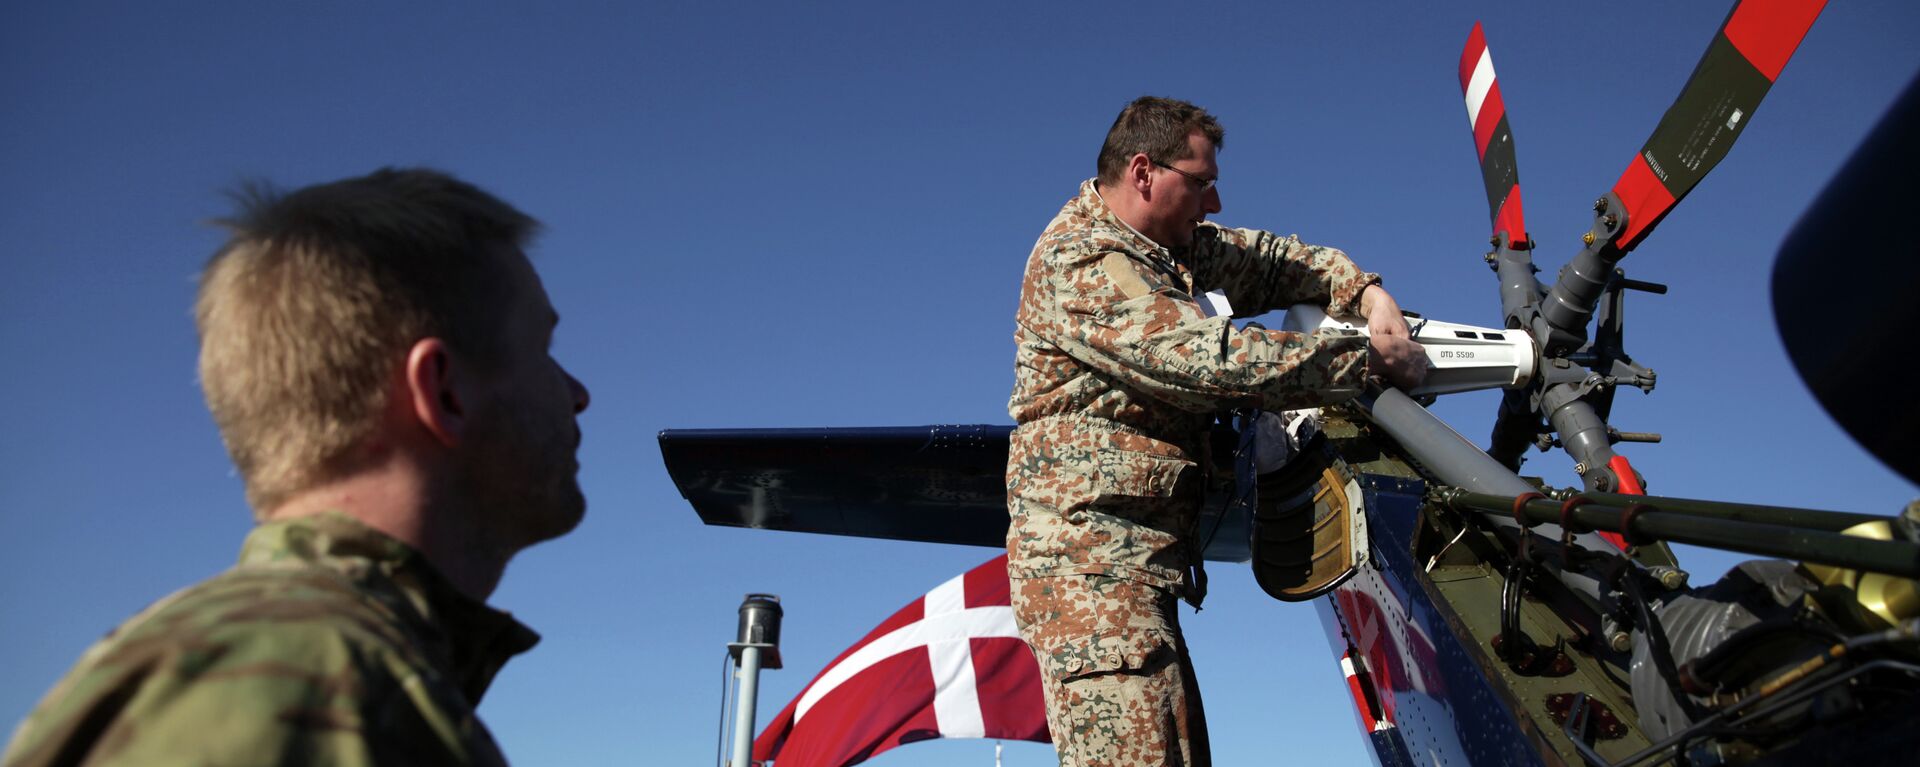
1215	304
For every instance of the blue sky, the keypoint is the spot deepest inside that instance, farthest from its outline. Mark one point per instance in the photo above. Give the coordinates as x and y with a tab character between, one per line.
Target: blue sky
816	215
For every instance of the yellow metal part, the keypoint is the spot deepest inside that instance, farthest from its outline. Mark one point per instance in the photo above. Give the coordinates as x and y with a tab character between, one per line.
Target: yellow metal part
1305	542
1893	598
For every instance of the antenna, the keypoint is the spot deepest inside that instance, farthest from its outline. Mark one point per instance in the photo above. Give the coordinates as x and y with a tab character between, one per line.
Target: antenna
759	634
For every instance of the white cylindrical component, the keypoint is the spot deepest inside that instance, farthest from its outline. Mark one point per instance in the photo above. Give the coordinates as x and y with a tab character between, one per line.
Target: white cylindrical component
1462	357
743	714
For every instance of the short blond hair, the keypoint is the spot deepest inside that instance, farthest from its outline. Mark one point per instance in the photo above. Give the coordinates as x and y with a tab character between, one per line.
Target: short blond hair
313	302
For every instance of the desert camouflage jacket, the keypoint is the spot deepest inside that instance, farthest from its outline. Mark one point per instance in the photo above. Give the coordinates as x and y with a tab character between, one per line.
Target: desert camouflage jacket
1118	374
329	643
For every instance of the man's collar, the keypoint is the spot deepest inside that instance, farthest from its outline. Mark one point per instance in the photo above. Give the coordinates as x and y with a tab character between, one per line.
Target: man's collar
479	637
1091	190
329	534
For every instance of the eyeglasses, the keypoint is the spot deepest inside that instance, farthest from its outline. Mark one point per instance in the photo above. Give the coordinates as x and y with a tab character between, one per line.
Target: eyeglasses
1205	183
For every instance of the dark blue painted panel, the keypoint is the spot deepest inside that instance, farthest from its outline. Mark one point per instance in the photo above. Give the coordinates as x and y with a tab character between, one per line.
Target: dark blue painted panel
1440	709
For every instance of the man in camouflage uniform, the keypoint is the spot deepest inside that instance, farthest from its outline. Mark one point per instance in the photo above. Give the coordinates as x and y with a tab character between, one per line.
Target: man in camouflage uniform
374	352
1119	373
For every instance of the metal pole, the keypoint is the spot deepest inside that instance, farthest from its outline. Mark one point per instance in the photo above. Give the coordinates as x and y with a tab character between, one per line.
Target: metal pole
1813	519
759	632
743	713
1437	446
1453	459
1705	524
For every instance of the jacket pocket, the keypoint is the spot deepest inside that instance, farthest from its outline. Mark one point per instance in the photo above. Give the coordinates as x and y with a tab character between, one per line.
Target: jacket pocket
1121	475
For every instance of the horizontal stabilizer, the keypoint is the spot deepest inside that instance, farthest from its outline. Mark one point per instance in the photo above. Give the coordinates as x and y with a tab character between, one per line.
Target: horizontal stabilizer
938	484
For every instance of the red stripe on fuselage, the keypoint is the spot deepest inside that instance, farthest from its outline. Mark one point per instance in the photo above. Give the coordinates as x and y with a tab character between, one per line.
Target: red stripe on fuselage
1768	31
1356	684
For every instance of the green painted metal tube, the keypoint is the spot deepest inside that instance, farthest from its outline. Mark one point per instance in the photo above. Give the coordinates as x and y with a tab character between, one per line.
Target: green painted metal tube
1719	525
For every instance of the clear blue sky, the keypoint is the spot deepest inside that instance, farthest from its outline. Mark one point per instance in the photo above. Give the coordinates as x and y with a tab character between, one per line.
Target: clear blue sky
816	215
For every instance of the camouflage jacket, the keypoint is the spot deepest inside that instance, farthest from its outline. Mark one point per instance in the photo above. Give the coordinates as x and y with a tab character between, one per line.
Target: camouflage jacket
329	643
1118	374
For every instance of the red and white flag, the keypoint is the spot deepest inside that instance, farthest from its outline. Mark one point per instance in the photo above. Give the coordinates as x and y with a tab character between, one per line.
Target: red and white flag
948	665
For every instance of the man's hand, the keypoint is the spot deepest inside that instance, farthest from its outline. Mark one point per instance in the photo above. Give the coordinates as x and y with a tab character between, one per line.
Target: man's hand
1383	313
1391	352
1400	360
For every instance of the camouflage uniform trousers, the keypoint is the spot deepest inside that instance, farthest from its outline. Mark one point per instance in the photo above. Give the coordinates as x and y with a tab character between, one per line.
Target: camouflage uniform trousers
1119	686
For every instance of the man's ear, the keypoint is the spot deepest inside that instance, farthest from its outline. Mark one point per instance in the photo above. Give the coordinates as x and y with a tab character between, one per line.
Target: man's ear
431	391
1140	173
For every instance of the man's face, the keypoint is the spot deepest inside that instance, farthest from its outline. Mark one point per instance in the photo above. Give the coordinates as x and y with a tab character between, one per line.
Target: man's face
1178	202
524	435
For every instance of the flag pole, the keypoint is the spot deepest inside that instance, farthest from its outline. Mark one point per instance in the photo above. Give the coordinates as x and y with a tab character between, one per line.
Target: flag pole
758	647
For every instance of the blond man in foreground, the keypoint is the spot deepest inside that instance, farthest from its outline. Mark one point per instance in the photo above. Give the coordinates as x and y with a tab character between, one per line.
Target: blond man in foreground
374	352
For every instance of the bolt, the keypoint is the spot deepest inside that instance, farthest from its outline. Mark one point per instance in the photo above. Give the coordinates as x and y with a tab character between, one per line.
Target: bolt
1494	241
1580	468
1620	641
1599	204
1612	220
1587	238
1491	258
1670	578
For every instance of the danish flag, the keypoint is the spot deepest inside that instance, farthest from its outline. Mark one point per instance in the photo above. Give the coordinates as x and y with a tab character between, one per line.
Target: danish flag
949	665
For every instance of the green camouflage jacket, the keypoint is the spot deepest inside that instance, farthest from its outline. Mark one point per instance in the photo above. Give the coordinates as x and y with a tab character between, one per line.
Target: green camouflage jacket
329	643
1118	374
